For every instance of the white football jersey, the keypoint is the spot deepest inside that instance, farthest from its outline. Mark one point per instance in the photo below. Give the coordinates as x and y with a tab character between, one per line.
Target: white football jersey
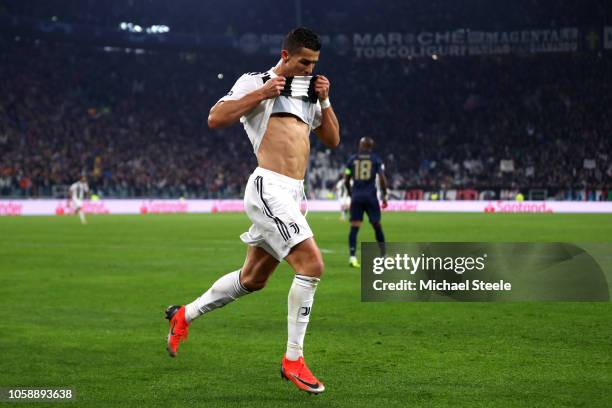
78	190
341	191
256	121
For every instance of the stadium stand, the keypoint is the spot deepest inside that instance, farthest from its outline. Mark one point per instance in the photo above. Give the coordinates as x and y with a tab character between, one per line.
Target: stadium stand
134	120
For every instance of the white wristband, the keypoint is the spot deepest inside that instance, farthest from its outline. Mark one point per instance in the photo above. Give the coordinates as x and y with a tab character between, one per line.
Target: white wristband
325	104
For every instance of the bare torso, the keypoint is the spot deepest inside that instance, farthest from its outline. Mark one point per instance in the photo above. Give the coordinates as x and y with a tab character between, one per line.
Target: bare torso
285	147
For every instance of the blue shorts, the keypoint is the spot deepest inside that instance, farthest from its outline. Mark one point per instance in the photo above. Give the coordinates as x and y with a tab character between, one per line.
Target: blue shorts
369	205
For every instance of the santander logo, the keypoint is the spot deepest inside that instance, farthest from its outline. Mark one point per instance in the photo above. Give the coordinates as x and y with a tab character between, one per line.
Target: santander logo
97	207
228	206
11	208
408	206
517	207
157	207
89	207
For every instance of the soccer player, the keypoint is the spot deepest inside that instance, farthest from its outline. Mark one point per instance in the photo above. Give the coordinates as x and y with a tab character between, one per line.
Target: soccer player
343	198
363	168
278	109
77	193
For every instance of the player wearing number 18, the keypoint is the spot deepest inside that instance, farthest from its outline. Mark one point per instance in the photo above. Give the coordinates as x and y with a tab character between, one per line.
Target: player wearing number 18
363	168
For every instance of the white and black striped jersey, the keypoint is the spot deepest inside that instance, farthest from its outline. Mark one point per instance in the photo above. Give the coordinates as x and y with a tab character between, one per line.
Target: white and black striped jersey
297	98
78	190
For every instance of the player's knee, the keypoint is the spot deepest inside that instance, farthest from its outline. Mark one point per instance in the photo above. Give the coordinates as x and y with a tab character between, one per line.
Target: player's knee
320	267
376	224
253	283
251	280
316	267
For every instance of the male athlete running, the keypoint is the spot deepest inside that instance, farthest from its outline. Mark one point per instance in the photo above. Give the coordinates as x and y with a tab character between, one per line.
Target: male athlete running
278	109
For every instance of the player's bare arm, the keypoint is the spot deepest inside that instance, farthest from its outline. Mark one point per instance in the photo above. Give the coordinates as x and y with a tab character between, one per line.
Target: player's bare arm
226	113
347	184
383	187
329	131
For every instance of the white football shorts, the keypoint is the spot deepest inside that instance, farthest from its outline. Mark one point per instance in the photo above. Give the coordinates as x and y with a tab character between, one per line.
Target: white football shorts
273	203
345	202
76	204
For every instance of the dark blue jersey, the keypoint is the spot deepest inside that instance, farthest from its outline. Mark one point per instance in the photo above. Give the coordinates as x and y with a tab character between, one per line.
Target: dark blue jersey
363	168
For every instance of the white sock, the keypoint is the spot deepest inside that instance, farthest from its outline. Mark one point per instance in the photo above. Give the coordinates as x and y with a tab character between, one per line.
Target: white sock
301	296
225	290
82	217
353	259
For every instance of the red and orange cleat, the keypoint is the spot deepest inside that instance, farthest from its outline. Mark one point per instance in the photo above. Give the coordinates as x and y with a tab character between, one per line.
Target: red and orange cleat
178	328
298	373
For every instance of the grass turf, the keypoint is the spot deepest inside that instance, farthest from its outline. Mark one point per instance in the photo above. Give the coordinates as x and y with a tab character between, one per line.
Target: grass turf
83	308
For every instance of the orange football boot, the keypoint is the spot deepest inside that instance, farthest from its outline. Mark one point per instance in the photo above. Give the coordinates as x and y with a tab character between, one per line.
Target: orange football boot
297	372
179	328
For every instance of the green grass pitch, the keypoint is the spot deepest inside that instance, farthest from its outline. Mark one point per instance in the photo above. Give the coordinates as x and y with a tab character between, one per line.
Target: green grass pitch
82	307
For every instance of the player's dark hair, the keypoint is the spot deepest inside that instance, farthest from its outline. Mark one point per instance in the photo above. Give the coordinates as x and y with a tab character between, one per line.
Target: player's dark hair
301	37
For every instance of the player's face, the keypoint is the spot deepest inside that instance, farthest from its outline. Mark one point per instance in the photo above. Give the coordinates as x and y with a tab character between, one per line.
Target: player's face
300	63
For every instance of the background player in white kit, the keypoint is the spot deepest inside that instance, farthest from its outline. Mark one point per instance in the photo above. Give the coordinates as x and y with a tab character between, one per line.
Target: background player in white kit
78	192
278	109
343	198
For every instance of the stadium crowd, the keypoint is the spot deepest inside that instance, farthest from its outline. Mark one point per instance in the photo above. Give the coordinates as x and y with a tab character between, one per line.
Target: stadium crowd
135	121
